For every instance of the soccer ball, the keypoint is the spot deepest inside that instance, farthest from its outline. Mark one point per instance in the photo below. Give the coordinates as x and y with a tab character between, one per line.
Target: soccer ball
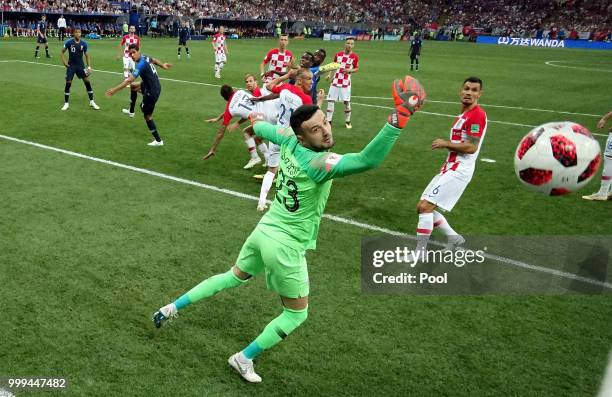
557	158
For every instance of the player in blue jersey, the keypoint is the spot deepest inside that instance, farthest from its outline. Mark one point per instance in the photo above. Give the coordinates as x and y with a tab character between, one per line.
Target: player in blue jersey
41	36
184	37
76	49
149	87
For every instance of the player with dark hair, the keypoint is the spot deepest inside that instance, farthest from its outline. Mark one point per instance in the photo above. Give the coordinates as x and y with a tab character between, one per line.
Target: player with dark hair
239	103
446	188
74	66
184	37
277	247
41	36
415	51
149	87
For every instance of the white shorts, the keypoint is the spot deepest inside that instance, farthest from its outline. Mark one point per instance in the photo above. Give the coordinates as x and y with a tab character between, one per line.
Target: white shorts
444	190
337	94
274	152
269	109
220	58
608	148
128	63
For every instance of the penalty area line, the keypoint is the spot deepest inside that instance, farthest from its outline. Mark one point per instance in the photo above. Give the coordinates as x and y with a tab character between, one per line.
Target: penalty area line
454	116
335	218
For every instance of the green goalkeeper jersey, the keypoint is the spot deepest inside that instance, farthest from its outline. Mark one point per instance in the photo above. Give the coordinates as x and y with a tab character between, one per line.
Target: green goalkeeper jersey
304	181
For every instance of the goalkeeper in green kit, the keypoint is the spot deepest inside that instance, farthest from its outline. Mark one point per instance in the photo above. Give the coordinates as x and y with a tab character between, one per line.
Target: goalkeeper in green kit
278	245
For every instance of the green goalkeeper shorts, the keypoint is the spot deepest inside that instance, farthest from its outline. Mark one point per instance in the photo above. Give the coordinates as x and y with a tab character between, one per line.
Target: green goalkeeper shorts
285	268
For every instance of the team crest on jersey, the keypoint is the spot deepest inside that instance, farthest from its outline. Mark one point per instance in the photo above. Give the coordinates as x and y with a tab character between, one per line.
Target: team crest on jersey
475	129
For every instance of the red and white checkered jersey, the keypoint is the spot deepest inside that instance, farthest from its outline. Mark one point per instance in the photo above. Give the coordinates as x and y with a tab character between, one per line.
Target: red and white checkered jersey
346	61
471	123
279	61
291	98
219	43
126	41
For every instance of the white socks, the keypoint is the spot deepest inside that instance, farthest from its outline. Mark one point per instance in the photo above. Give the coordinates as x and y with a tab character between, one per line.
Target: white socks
265	187
330	110
424	229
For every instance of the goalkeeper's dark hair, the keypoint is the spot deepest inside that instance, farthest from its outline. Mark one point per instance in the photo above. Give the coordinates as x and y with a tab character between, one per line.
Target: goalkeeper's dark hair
226	92
134	47
473	79
301	114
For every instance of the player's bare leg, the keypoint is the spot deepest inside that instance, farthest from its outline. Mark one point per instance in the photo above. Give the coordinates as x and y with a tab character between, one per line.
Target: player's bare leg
347	114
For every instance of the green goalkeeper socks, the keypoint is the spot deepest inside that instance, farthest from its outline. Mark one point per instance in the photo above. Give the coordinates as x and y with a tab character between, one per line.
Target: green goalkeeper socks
208	288
275	331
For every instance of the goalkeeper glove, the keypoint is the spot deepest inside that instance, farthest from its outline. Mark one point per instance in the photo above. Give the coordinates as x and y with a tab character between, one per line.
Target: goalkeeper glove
408	97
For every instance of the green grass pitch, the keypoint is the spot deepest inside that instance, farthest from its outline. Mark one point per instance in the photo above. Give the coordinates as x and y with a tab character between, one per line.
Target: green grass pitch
89	251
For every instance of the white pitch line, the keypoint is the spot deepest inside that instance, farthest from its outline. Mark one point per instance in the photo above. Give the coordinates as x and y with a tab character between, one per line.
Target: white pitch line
552	63
334	218
494	106
354	96
454	115
606	383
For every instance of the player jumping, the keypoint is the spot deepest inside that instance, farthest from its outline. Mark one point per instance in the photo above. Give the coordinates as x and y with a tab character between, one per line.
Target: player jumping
239	104
290	97
340	89
149	87
446	188
184	37
41	36
277	247
220	48
604	192
76	49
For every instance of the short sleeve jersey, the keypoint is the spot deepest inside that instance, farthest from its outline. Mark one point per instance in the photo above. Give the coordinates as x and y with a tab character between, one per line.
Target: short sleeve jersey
470	123
76	50
346	61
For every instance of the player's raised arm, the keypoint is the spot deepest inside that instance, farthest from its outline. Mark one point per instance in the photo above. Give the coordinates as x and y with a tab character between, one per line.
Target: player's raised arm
163	65
274	133
408	97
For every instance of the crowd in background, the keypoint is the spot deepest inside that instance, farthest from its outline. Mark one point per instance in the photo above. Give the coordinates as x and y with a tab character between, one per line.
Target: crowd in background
523	18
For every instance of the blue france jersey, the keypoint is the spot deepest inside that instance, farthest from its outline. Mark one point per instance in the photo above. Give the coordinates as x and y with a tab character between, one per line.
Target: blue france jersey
316	77
76	50
42	27
145	69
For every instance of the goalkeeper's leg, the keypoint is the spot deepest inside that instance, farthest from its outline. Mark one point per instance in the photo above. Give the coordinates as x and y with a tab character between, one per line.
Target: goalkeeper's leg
295	312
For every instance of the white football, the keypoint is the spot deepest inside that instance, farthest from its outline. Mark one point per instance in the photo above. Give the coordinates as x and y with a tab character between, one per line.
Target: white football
557	158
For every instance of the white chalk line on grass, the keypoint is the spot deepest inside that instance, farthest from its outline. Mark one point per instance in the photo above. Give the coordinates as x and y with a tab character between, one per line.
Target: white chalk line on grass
354	96
454	115
552	63
334	218
606	383
494	106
